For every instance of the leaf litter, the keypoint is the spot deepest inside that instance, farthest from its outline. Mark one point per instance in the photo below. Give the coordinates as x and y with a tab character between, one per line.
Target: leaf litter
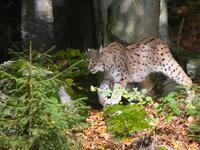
171	135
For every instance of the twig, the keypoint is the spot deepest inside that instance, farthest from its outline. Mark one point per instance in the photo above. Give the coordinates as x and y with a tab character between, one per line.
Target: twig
62	71
49	50
180	31
30	85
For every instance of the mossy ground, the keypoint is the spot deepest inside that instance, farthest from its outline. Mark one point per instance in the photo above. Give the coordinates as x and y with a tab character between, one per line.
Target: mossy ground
124	121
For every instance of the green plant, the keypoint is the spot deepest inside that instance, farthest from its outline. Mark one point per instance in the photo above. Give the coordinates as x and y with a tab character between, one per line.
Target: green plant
31	116
161	148
65	58
169	106
139	96
194	111
130	96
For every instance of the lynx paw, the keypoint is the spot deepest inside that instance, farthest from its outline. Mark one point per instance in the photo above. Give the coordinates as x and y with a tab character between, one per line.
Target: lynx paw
191	96
111	102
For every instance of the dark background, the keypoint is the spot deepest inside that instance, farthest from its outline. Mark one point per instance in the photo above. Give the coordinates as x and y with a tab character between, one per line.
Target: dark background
77	25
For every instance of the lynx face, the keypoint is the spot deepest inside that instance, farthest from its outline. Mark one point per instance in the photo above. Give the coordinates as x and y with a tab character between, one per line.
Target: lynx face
95	61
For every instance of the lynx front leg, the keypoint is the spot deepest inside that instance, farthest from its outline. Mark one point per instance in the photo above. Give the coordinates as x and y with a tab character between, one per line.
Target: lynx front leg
106	84
116	95
191	95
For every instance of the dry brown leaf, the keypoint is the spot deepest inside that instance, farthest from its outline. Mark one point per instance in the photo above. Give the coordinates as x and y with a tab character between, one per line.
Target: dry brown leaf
191	120
192	145
166	133
127	142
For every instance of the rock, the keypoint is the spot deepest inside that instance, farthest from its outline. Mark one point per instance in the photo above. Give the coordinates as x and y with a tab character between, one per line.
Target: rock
3	96
170	86
6	64
193	68
64	97
189	61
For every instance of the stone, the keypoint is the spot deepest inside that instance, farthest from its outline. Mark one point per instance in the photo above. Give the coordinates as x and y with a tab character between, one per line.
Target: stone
193	68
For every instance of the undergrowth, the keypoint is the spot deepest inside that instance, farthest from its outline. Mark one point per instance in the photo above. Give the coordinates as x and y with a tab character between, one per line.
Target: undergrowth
195	112
124	121
31	114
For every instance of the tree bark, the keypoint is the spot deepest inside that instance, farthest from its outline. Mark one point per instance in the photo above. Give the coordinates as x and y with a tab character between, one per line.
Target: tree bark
37	23
163	22
126	21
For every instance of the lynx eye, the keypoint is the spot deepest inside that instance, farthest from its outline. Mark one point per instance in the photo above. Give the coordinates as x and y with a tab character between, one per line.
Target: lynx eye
92	63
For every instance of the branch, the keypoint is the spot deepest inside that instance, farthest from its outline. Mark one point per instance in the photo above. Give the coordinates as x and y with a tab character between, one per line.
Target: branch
62	71
30	84
180	31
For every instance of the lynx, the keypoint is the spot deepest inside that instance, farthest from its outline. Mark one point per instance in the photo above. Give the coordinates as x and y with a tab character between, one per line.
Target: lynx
121	65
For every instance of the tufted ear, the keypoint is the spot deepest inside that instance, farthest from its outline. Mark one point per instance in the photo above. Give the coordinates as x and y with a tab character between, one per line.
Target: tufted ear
101	50
86	49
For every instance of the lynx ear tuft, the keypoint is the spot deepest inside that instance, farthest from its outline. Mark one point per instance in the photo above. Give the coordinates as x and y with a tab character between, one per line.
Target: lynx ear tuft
101	50
86	49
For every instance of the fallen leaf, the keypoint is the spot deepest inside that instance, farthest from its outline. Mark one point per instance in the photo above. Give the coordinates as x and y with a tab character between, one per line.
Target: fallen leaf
100	143
80	88
193	107
86	145
127	142
69	81
191	120
105	135
184	132
192	145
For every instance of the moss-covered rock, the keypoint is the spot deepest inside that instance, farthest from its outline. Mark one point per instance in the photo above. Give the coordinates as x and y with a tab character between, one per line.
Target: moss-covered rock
124	121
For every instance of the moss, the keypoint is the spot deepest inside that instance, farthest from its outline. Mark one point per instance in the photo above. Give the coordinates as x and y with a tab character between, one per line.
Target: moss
124	121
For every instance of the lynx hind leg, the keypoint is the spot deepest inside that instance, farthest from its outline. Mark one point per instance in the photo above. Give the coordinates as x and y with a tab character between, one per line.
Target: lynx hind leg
147	84
106	84
173	70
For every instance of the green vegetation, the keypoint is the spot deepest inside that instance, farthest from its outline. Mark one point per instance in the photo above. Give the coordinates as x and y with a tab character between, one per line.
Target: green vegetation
169	106
161	148
195	112
66	58
31	114
124	121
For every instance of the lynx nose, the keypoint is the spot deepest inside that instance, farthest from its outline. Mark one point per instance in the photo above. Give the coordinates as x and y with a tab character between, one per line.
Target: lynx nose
89	68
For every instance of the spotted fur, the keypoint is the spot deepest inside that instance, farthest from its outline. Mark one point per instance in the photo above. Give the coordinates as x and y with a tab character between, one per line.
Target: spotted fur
133	64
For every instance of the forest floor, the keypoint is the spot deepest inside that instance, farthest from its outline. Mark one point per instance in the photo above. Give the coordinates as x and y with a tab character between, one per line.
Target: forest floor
172	135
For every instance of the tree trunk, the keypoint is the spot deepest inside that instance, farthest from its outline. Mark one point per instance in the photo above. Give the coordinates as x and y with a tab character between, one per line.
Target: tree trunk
126	21
74	23
163	23
37	23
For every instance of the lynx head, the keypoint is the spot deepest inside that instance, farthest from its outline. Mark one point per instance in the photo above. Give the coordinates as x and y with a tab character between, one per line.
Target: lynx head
95	60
